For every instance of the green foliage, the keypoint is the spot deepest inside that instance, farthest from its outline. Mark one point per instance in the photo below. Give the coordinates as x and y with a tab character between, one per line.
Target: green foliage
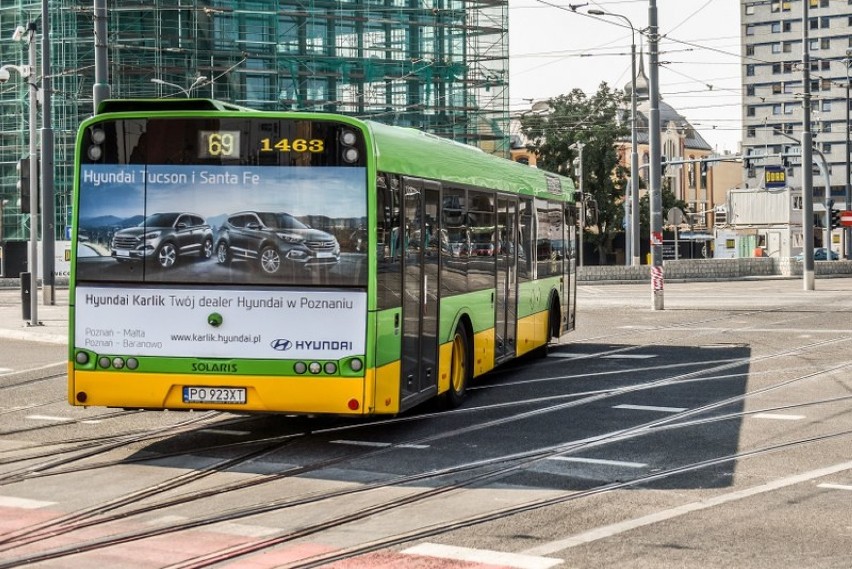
593	122
669	202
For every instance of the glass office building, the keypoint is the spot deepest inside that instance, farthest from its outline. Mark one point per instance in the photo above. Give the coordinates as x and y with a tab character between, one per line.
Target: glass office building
436	65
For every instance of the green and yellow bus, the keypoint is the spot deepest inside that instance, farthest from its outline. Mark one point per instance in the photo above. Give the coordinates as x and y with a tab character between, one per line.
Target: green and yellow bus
303	262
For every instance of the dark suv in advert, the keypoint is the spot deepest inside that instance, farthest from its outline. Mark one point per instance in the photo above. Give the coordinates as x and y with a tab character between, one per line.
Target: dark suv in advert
275	240
163	237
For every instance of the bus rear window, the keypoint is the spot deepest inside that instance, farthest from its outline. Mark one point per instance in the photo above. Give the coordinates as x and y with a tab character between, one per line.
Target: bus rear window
225	201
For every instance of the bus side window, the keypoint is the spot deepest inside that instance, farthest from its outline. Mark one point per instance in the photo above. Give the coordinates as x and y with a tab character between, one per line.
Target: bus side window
388	245
455	242
525	258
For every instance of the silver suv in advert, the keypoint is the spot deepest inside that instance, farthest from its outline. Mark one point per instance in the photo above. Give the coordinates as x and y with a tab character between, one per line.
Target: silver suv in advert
162	238
275	240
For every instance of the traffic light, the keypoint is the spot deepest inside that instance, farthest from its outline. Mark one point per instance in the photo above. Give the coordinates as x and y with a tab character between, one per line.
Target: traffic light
25	185
664	162
835	218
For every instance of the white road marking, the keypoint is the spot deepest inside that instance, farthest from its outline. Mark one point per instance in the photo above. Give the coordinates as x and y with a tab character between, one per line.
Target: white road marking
482	556
600	461
5	370
225	432
567	355
375	444
779	417
664	515
23	503
835	486
48	418
629	356
651	408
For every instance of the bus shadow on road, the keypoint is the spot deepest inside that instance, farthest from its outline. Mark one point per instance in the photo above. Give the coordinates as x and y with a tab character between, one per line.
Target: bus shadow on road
644	412
608	414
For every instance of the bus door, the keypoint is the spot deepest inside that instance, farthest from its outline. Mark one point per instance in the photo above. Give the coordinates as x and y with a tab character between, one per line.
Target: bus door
420	289
507	277
569	282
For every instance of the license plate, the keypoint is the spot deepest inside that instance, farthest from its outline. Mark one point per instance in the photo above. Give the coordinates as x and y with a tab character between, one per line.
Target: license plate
202	394
324	255
120	253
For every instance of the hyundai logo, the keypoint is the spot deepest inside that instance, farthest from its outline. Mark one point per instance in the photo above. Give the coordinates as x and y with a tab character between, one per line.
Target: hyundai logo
281	344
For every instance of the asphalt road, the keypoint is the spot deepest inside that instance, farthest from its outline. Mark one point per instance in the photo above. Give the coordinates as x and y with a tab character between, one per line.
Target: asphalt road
714	433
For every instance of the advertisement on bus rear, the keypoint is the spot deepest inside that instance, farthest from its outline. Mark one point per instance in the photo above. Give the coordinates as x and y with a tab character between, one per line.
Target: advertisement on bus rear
217	323
221	261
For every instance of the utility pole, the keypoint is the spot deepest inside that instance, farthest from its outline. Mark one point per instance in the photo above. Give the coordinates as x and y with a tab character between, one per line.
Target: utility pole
655	173
33	117
632	195
578	170
847	232
100	90
807	160
48	204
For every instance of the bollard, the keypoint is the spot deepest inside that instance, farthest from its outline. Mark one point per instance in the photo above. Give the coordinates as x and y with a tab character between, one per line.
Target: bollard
26	296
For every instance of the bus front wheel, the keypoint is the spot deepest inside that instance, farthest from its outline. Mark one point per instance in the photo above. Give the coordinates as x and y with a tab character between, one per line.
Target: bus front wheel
459	369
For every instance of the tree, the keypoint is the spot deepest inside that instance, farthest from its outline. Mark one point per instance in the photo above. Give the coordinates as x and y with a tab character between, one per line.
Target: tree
669	201
592	121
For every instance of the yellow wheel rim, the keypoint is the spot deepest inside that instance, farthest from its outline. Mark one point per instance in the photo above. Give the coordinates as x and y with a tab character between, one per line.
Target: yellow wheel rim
457	368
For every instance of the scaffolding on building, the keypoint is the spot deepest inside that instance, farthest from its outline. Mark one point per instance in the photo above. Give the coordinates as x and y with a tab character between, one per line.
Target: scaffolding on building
436	65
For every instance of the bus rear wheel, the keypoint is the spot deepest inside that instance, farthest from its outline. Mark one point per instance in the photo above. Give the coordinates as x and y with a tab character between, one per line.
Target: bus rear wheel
459	370
552	330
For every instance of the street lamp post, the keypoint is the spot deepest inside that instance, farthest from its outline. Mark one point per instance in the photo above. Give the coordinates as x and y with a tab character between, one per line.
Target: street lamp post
633	220
847	232
27	72
186	92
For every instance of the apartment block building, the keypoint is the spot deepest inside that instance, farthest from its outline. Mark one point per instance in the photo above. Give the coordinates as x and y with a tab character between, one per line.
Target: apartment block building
772	79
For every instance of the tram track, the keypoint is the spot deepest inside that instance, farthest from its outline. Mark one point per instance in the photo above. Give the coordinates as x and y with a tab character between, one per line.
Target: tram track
521	461
537	455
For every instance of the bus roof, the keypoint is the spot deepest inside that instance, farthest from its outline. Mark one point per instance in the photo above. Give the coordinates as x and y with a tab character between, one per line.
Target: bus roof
399	150
416	153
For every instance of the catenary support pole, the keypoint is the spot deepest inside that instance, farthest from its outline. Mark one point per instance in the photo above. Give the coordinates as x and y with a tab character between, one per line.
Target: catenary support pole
807	161
655	173
48	203
100	90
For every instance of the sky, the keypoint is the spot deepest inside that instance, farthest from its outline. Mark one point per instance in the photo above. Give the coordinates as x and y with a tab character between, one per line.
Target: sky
553	50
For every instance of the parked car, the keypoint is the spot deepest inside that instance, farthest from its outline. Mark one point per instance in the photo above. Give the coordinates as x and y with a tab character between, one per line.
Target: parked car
163	238
275	239
820	254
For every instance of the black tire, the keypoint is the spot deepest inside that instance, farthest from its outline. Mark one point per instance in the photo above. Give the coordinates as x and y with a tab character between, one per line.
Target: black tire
222	253
553	316
206	249
167	255
460	370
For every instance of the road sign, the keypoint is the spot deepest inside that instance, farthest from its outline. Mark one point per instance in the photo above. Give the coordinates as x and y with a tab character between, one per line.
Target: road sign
775	177
846	218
